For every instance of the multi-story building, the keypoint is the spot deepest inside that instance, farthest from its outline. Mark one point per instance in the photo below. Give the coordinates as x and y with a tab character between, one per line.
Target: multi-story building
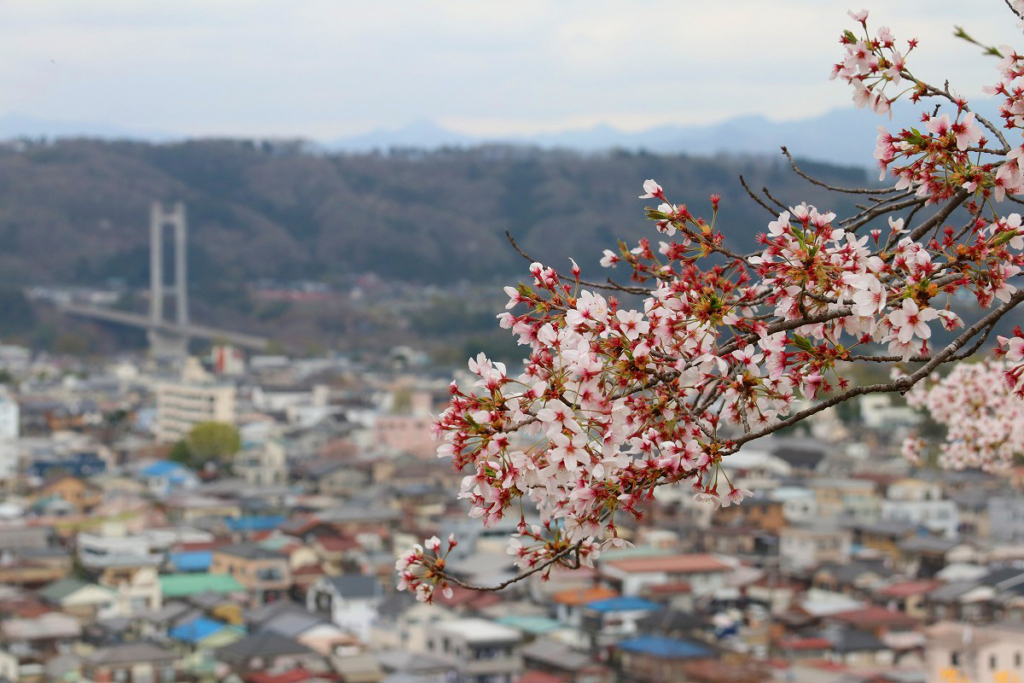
1006	519
808	545
9	431
182	405
262	464
479	650
979	654
264	573
938	516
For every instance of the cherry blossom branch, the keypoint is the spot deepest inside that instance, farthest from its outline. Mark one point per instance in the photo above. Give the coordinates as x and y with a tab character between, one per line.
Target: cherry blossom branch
833	188
557	557
900	385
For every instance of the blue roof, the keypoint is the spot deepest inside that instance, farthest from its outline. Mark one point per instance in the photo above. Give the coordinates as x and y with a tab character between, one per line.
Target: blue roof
668	648
162	468
255	523
191	561
622	604
196	630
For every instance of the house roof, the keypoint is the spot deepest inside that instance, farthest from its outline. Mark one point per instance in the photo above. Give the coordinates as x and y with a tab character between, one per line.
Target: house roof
672	564
45	626
951	591
162	468
581	596
869	617
907	588
479	630
182	585
927	544
131	653
670	620
557	655
664	648
196	630
292	623
60	589
855	640
804	644
249	551
258	616
356	586
622	604
530	624
262	644
255	523
191	561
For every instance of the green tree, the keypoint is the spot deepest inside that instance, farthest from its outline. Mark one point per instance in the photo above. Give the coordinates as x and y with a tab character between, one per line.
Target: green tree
213	441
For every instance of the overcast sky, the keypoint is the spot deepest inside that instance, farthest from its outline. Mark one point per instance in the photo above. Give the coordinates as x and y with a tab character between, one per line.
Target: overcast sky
327	68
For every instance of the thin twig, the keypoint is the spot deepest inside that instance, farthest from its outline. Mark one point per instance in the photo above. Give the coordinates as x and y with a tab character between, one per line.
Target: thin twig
557	557
819	183
757	199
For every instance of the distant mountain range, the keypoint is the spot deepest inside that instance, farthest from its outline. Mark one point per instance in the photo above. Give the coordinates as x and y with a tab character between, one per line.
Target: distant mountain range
841	136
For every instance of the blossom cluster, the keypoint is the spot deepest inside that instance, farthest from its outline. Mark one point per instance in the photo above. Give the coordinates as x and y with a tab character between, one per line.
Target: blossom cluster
980	406
615	400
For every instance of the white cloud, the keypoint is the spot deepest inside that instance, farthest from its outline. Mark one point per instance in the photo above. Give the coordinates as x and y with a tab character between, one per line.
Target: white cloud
330	67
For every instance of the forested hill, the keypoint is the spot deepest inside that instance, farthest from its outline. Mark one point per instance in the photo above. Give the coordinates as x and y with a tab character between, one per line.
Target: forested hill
77	211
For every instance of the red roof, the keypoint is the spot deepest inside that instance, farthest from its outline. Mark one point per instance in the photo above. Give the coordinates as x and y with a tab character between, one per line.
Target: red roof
908	588
540	677
464	597
800	644
290	676
671	564
204	545
337	544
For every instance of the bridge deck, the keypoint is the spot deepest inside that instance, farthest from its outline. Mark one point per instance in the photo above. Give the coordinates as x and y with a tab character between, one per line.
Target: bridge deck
135	320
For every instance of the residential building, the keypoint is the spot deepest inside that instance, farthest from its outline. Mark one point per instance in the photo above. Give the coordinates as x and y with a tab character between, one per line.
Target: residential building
182	405
264	573
350	601
630	576
1006	519
478	650
132	663
979	654
262	464
937	516
9	432
805	546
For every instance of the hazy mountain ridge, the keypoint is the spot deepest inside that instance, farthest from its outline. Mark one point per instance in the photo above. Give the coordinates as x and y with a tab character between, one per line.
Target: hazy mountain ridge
841	136
77	211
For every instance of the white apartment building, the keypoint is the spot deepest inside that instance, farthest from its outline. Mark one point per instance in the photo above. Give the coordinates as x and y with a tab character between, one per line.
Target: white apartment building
180	406
9	430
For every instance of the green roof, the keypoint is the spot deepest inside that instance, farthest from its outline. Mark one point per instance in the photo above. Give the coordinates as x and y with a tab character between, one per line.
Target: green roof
183	585
533	625
60	589
275	542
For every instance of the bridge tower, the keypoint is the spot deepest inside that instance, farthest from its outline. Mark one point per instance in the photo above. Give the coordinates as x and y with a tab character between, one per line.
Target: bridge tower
165	344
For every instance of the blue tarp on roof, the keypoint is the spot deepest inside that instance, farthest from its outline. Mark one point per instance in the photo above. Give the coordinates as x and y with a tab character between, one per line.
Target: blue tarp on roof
255	523
622	604
191	561
162	468
196	630
668	648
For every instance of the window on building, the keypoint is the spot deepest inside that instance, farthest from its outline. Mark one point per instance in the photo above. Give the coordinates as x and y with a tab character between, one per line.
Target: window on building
992	662
1016	660
954	659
